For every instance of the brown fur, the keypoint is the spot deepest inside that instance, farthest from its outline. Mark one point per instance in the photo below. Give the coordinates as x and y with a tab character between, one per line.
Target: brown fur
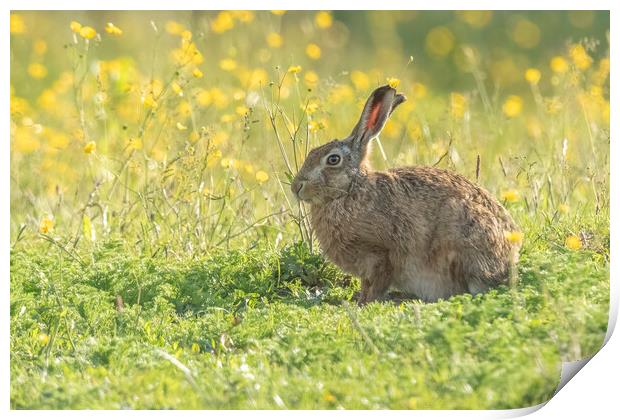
424	230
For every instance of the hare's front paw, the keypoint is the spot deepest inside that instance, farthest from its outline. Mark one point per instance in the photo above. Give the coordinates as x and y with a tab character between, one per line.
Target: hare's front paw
362	297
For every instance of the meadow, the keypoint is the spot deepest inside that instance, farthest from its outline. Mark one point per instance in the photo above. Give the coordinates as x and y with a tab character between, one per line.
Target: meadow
159	260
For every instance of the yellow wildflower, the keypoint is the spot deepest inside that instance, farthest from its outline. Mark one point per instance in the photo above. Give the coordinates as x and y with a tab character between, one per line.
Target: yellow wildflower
323	19
601	74
419	90
573	242
558	64
90	147
17	25
244	16
393	82
223	22
135	143
255	78
580	57
227	118
219	138
563	208
311	108
181	127
457	105
37	70
532	75
360	80
219	98
514	236
75	26
18	105
186	35
195	348
46	225
329	397
87	32
44	339
278	12
213	157
149	101
313	51
228	64
238	94
510	196
249	168
25	140
262	176
39	47
197	73
176	88
512	106
596	91
294	69
204	98
340	93
228	163
274	40
174	28
113	30
47	100
311	78
314	126
58	140
197	57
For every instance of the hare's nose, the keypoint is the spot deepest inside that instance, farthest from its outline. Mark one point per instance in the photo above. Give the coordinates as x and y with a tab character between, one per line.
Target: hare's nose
297	186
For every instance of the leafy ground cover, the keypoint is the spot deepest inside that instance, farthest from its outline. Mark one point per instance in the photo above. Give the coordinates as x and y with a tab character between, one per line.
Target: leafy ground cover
267	329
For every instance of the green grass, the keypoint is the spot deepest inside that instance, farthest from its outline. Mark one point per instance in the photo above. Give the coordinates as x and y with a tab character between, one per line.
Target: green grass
278	329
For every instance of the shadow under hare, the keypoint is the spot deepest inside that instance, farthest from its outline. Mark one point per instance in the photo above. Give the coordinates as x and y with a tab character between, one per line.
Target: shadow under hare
422	230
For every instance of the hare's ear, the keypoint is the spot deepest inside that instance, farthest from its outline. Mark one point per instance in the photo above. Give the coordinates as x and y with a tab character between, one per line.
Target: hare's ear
378	108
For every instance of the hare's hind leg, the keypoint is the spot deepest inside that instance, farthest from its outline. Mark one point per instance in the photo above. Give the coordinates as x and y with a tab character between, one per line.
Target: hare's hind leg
376	279
373	289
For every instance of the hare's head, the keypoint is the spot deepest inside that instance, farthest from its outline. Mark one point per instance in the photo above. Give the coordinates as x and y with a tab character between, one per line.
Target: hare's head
329	170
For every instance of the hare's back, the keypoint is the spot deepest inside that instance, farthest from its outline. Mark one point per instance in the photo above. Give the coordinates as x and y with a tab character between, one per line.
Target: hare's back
448	195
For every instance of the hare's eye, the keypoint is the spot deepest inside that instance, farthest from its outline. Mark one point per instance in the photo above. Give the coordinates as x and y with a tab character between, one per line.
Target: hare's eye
333	159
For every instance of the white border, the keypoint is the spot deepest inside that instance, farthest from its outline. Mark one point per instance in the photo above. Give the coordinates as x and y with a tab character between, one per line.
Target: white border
593	392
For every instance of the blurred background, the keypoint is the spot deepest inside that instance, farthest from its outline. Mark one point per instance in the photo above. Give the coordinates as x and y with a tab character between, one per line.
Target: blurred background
183	128
506	42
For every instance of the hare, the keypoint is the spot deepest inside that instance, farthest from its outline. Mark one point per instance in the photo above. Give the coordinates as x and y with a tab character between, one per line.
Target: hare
426	231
